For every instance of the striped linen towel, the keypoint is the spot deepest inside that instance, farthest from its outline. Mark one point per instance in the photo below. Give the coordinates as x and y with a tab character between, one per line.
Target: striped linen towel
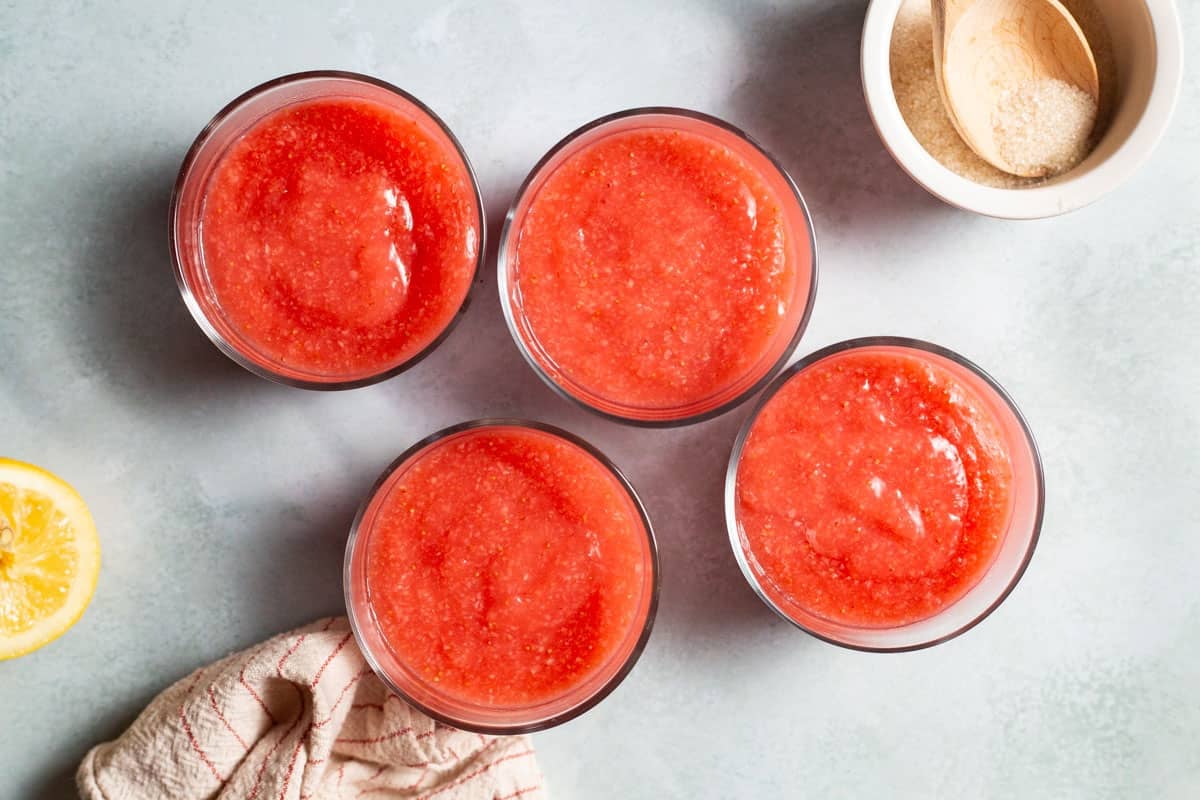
301	716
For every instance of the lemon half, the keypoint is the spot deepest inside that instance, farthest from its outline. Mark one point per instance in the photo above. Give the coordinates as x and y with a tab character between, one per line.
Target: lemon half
49	557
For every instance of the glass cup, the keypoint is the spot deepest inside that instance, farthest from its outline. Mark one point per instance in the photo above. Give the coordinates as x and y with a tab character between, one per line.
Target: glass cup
801	242
1009	562
198	169
406	682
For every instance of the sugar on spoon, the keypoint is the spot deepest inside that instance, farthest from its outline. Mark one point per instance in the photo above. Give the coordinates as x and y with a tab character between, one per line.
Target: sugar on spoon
1018	80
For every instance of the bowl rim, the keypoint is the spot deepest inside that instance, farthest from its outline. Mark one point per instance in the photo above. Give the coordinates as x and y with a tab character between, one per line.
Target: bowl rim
357	538
1036	202
510	232
189	293
733	527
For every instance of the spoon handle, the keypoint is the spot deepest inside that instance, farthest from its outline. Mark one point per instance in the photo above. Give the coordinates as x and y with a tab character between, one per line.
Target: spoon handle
946	14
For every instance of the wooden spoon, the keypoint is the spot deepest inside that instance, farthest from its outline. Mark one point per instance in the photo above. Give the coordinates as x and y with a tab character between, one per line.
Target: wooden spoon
981	48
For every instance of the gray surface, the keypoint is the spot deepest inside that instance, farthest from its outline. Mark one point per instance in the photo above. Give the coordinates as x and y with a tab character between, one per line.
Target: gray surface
223	500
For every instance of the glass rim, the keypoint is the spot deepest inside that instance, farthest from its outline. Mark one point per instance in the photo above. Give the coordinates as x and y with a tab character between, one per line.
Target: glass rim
189	295
357	532
869	342
507	232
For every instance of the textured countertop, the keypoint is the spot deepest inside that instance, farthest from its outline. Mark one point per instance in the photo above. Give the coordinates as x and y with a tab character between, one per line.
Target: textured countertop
223	500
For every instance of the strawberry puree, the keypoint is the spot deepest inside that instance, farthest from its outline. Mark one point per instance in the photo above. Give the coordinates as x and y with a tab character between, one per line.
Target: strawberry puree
506	566
654	269
340	236
873	489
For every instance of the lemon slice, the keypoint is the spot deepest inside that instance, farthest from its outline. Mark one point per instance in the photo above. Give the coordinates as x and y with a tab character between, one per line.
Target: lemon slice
49	558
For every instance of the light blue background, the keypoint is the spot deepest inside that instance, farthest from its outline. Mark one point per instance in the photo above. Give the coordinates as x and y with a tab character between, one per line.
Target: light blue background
223	500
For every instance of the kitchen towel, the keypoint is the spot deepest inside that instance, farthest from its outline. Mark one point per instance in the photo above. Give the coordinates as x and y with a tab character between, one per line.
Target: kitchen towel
301	716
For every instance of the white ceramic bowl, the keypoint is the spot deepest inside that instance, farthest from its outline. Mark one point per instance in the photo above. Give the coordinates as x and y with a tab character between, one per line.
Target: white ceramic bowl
1147	44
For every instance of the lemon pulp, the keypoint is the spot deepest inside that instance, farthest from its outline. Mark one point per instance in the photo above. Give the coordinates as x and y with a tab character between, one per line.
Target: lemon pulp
49	557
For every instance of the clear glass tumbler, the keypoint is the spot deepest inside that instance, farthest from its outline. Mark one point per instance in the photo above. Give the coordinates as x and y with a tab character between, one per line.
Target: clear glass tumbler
800	245
197	172
402	678
1024	520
